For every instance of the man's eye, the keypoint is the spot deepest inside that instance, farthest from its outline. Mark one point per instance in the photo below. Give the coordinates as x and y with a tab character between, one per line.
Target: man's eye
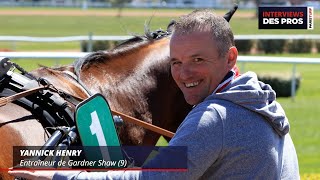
175	63
198	59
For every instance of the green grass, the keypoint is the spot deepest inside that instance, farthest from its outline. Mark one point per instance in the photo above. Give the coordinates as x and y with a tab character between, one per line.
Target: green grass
99	25
32	64
75	25
70	26
303	112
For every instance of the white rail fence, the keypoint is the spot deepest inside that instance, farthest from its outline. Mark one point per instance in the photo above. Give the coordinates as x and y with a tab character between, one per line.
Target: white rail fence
90	38
241	59
116	38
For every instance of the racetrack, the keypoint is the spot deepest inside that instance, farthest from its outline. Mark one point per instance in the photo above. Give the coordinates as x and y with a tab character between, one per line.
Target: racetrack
108	12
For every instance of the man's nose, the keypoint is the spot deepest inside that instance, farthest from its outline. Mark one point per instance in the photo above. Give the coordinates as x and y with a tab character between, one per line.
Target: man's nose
186	72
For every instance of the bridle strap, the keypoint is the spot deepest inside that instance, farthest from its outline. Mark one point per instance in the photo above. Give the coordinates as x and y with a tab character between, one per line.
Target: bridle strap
131	119
143	124
9	99
151	127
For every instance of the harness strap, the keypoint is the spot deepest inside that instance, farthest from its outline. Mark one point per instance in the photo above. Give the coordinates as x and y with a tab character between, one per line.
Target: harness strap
45	116
68	97
143	124
75	77
125	117
6	100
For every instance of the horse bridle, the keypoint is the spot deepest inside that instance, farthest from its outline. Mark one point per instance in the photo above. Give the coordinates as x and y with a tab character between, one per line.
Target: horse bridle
44	85
123	116
37	96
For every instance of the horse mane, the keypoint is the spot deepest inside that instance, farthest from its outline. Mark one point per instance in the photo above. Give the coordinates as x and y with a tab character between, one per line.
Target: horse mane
125	47
147	37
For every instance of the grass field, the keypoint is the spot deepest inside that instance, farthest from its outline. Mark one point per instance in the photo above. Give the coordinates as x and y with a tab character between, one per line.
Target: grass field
74	22
303	113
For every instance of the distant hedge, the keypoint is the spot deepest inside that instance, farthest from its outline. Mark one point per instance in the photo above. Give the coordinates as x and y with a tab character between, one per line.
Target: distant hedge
98	45
244	46
317	44
271	45
280	84
300	46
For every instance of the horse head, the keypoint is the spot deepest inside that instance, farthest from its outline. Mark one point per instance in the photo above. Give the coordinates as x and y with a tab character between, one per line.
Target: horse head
135	79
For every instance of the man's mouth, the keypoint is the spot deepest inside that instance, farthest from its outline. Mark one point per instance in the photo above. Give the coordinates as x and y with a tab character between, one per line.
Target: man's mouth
192	84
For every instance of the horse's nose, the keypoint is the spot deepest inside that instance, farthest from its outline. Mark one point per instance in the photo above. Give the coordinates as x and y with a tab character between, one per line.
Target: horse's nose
118	120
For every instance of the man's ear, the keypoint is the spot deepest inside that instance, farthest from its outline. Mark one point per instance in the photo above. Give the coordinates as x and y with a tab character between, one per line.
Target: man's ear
232	57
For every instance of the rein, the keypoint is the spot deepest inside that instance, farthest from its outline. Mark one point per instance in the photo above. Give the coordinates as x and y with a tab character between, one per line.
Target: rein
6	100
145	125
125	117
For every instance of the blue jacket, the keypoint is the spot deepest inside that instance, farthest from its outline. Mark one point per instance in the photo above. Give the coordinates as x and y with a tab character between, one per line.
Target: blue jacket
238	133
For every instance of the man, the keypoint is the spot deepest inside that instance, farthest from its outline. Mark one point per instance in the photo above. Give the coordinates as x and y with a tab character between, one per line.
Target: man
236	129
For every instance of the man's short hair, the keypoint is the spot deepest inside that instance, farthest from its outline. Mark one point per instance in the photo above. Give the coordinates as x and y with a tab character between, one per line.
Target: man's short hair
207	21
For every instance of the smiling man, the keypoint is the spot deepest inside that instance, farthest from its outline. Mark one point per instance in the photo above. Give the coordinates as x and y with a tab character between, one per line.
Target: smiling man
239	129
236	129
196	64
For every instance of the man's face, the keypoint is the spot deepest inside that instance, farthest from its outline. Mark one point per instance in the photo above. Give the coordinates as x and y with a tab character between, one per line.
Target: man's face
196	66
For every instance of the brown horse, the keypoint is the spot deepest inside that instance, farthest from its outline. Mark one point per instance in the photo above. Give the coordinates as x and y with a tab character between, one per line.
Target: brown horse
135	79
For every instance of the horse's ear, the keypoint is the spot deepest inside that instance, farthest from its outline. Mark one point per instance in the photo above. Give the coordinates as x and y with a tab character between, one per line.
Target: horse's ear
229	14
171	25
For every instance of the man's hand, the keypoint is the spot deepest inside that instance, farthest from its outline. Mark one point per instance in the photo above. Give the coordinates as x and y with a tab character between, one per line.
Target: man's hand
32	175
